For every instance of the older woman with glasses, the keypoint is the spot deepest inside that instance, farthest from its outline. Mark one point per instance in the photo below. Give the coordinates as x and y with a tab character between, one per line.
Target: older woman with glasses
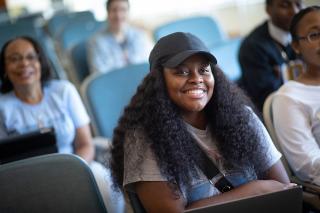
296	105
31	100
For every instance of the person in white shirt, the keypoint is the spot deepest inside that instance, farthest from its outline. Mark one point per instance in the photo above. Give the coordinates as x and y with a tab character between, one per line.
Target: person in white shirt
119	44
296	106
31	100
266	51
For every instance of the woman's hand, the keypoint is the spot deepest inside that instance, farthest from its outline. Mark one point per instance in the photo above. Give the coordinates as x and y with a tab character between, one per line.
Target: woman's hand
253	188
259	187
158	196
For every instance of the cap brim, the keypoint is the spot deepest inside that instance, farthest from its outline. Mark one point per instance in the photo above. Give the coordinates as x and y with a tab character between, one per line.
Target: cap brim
180	57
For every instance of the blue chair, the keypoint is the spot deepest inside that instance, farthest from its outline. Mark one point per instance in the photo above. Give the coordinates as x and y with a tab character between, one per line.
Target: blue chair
76	32
80	67
106	95
49	183
227	57
204	27
57	22
4	16
10	30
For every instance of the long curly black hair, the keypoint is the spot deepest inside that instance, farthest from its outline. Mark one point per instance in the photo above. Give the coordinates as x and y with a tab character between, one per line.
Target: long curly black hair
176	152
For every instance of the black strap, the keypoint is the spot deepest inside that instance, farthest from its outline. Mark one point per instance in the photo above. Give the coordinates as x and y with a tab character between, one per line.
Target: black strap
135	203
210	170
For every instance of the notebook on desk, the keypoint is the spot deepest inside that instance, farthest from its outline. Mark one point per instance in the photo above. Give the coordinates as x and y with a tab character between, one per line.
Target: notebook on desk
27	145
289	200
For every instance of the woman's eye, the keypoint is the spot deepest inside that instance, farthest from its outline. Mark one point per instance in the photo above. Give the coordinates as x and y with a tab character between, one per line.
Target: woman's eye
314	36
205	70
182	71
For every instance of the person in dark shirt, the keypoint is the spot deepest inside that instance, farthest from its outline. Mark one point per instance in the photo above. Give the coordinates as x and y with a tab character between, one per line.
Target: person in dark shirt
266	52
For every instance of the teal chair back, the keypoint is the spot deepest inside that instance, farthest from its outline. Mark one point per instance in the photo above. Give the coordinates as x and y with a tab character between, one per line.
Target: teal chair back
107	94
58	22
204	27
227	56
73	33
49	183
79	60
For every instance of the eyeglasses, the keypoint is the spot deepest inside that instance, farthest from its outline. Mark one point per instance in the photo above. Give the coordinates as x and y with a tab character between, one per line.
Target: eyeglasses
17	58
311	37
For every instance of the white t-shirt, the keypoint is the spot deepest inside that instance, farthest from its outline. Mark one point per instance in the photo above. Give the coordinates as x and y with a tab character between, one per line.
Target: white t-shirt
60	108
296	115
140	163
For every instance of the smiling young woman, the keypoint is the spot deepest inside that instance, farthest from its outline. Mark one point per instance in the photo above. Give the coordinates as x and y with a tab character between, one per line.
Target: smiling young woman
186	109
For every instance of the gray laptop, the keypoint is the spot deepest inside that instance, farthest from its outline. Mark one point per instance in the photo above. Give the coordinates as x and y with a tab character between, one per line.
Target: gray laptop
289	200
27	145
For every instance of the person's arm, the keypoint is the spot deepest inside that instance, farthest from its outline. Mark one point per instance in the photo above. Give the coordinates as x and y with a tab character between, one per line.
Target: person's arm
83	143
253	188
277	172
159	197
294	132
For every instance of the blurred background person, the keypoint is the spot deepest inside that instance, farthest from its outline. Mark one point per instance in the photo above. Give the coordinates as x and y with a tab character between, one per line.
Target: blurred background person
266	52
119	44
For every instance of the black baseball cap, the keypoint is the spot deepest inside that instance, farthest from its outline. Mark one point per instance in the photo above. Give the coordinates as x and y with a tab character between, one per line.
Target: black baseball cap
173	49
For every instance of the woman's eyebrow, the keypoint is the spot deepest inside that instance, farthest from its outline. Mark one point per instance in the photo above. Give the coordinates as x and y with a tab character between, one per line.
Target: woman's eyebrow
316	27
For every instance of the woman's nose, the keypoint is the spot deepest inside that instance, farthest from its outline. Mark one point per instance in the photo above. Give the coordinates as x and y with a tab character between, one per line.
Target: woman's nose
196	77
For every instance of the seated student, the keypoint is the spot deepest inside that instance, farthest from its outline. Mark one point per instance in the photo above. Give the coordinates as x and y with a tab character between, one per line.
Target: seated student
119	44
266	52
296	105
31	100
183	109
